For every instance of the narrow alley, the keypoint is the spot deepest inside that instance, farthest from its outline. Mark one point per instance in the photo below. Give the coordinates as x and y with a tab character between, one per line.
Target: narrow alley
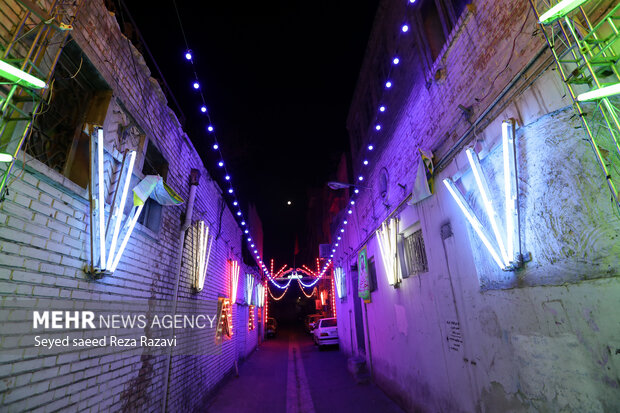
288	373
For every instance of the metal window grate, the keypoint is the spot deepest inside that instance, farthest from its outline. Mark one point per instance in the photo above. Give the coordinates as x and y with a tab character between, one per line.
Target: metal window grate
414	254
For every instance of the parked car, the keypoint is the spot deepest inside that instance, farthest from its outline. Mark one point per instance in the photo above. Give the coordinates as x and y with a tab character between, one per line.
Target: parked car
310	321
271	327
326	332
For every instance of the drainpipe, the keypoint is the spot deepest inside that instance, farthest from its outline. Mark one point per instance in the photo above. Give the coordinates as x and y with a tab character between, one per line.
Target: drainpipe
194	179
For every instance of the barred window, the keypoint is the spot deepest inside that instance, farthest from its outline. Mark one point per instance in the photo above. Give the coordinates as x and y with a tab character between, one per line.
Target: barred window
413	254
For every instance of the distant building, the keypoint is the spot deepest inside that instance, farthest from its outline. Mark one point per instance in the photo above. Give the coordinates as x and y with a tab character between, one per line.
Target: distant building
448	323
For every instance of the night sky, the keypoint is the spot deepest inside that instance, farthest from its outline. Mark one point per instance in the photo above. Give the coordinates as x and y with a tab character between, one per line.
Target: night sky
278	78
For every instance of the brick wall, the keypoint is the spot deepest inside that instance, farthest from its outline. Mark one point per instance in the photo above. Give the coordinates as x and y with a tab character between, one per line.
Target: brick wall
45	247
466	336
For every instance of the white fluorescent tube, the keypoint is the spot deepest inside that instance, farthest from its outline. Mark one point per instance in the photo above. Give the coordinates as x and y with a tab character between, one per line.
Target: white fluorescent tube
507	190
20	77
101	202
473	220
132	224
599	93
119	211
560	10
483	187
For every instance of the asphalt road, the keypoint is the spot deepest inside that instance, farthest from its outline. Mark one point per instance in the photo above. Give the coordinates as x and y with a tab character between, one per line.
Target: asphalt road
289	374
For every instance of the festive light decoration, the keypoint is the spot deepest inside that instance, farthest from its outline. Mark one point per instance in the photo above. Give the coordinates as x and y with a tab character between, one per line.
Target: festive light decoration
303	292
260	295
387	236
202	251
601	93
395	60
20	77
5	157
224	317
511	190
265	298
251	318
323	296
510	253
188	55
234	280
280	297
340	279
483	188
249	288
473	220
560	10
105	259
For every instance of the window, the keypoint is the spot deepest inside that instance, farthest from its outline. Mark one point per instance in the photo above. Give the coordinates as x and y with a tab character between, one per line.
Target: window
78	95
433	27
413	254
437	18
154	164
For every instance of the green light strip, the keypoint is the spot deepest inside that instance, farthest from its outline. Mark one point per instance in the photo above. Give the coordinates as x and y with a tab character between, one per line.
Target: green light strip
20	77
560	10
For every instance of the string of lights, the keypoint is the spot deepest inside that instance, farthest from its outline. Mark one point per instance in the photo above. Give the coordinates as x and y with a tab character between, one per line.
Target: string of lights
304	293
378	127
212	133
280	297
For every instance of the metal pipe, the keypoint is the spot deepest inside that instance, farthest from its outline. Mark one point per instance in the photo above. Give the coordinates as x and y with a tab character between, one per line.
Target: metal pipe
194	180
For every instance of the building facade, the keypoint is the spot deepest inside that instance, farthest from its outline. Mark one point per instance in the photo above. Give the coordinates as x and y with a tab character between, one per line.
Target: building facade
98	81
446	322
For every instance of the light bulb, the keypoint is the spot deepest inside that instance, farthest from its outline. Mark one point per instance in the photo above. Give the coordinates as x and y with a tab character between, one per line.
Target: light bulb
210	128
405	28
196	85
216	146
350	212
365	163
235	203
388	84
238	213
360	178
230	190
352	202
357	191
243	223
378	127
203	109
370	147
188	55
345	222
220	164
396	60
246	231
381	108
227	177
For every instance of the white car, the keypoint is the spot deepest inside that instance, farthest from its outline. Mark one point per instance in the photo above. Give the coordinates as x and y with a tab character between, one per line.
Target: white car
325	332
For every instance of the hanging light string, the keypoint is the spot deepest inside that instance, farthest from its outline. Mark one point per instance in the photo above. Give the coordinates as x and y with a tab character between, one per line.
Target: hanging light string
210	129
304	293
377	130
280	297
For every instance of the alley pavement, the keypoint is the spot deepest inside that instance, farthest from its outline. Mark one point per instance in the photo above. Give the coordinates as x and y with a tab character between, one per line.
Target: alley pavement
289	374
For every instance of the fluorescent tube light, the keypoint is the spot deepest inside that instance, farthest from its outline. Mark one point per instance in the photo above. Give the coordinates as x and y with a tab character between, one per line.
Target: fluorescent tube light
473	220
119	211
101	198
599	93
132	223
560	10
20	77
483	187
